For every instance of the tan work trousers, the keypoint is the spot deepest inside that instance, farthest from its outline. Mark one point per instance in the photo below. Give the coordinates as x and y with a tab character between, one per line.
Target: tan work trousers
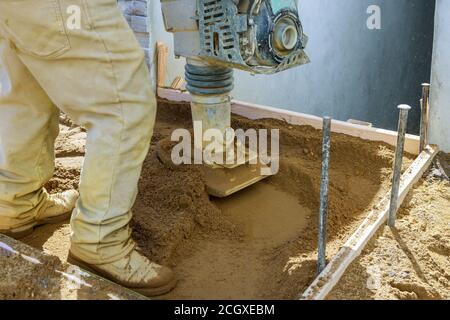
79	56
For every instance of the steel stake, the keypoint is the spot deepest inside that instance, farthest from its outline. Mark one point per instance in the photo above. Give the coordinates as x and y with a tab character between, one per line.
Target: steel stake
326	145
402	123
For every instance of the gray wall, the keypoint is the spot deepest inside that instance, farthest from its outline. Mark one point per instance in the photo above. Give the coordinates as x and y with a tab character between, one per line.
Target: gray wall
355	72
136	13
175	66
440	90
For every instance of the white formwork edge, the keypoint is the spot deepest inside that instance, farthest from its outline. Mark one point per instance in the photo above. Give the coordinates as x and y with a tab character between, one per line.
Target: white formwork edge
254	111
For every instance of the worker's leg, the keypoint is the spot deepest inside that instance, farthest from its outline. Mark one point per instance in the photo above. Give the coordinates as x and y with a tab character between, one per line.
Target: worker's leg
97	75
28	128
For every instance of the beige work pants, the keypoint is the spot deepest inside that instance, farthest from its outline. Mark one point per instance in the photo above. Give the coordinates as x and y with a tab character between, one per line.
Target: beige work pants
95	72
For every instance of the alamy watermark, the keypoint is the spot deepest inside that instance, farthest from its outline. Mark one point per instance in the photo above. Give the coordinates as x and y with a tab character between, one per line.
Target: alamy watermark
374	279
374	20
73	22
229	147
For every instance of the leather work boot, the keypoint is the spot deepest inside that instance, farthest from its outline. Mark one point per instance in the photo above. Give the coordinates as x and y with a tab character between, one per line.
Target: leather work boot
56	208
134	272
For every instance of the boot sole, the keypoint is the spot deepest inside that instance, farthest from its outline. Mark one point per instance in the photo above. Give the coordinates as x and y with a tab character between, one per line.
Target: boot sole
148	292
26	232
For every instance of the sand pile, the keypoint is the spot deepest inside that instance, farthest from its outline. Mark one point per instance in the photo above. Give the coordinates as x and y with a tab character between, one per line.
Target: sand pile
260	243
412	262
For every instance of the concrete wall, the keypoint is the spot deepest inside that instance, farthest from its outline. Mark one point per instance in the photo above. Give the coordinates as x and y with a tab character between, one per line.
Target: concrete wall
355	72
440	82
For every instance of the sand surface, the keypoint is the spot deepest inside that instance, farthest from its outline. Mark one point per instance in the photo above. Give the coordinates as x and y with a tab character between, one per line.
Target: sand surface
261	243
411	262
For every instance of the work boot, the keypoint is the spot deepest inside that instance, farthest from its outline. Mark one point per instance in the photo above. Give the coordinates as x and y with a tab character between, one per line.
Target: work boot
56	208
133	271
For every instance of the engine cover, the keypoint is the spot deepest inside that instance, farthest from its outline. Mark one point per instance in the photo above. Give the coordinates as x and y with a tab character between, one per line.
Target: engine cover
259	36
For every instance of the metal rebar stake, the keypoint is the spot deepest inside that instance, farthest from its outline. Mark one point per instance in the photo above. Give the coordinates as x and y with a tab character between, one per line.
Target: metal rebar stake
326	145
402	123
424	115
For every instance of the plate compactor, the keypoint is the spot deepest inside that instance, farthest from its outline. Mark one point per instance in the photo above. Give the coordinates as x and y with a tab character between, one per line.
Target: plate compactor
215	36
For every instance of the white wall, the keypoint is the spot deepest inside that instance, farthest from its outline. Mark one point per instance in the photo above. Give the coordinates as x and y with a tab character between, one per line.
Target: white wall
158	33
440	81
355	72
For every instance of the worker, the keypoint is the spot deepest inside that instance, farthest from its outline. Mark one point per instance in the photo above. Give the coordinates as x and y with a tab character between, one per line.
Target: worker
95	73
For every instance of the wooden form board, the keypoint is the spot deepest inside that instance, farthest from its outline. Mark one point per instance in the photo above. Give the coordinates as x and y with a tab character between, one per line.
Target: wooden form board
177	83
254	111
326	281
162	52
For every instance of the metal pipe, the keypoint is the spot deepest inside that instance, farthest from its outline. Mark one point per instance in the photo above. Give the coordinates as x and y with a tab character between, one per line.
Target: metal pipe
402	123
424	116
326	145
209	87
421	133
